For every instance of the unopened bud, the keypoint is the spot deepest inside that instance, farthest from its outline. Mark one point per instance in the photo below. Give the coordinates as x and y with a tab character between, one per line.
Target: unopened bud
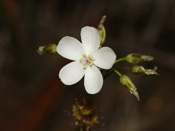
136	69
102	31
50	48
126	81
135	58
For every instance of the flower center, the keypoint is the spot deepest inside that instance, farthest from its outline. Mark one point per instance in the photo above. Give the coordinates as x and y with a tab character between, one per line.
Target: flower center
86	61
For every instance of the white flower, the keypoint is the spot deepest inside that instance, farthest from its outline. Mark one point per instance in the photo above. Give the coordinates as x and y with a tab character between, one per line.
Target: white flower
87	57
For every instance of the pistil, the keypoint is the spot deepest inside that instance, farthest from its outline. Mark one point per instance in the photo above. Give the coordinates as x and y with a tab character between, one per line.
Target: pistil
86	61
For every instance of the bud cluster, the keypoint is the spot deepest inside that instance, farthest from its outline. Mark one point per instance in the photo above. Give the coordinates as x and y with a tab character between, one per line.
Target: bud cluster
134	58
84	114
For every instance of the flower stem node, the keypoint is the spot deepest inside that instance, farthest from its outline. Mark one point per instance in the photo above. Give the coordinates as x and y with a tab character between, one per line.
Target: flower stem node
135	58
126	81
136	69
50	48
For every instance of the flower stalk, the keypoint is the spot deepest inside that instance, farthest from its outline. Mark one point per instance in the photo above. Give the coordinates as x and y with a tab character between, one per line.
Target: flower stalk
120	59
117	72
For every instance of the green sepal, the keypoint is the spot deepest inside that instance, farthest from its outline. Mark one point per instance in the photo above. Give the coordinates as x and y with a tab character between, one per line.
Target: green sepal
136	69
135	58
126	81
102	31
50	48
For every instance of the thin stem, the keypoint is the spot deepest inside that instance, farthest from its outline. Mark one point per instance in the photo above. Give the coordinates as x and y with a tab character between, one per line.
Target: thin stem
120	59
117	72
109	72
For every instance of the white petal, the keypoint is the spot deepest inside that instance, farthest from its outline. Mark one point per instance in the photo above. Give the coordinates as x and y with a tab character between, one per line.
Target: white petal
70	48
90	38
71	73
104	58
93	80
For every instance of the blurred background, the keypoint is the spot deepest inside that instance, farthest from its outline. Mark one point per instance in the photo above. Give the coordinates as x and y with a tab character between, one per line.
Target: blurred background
32	98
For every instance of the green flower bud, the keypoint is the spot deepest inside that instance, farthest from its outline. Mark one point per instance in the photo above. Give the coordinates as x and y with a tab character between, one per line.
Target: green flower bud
135	58
126	81
136	69
50	48
102	31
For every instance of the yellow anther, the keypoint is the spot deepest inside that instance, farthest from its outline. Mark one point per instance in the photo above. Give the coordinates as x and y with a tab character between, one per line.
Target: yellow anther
84	54
81	59
90	56
84	67
91	63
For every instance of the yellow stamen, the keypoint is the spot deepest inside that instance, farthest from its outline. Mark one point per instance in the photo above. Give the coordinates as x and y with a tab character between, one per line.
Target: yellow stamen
90	56
81	59
91	63
84	67
84	54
